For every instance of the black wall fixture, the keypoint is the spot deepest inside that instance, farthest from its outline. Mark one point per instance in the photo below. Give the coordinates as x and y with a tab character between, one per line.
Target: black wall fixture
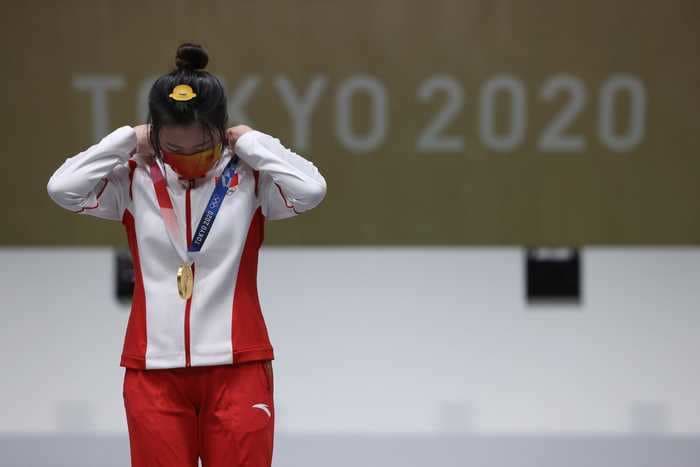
553	275
124	276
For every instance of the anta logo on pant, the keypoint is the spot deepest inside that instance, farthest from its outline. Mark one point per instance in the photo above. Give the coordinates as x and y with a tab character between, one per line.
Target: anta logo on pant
264	408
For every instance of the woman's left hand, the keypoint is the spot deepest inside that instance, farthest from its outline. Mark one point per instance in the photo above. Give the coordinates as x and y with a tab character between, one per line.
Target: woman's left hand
233	133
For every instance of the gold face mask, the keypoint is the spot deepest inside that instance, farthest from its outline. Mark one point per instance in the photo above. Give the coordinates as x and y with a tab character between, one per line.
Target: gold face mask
193	165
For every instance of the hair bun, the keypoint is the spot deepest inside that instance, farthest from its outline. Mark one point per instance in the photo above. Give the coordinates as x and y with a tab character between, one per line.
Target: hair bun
191	57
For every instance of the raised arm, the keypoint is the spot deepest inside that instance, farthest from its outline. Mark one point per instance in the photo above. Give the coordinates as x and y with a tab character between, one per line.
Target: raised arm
96	181
289	184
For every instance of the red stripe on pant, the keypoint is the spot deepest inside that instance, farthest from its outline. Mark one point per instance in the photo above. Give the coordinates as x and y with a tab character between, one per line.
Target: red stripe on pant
221	413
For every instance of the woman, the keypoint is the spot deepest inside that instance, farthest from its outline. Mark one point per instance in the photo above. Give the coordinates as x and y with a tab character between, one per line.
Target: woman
193	198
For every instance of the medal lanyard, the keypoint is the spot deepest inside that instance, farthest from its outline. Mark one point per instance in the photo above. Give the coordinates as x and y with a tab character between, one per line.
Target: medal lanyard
208	216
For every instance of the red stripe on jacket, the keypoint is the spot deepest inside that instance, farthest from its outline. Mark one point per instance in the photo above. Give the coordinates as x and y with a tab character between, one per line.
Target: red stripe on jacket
97	199
134	350
249	335
132	167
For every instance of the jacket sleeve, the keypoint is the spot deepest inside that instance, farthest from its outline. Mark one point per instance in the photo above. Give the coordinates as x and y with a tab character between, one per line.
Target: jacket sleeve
289	184
96	181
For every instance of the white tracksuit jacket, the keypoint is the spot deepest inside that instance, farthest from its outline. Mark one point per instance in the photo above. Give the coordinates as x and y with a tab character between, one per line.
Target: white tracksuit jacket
221	323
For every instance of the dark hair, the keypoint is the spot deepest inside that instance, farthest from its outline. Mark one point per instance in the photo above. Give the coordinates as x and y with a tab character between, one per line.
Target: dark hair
208	108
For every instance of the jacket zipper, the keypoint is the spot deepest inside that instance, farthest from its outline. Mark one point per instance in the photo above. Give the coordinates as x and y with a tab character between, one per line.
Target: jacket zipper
188	304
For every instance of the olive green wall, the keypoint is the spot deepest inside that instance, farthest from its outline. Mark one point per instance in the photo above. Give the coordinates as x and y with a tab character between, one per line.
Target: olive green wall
444	122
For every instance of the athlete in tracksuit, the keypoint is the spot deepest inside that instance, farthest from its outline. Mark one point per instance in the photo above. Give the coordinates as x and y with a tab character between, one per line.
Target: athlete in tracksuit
198	374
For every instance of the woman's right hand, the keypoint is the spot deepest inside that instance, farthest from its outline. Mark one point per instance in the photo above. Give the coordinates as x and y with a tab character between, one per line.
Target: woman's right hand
143	145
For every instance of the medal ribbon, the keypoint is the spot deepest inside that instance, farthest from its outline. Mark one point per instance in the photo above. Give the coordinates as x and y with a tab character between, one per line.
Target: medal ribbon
208	217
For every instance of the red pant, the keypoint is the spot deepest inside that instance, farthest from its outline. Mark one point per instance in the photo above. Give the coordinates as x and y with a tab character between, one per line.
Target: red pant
221	413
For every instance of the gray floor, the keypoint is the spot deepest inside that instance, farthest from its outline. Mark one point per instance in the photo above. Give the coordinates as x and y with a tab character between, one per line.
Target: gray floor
389	450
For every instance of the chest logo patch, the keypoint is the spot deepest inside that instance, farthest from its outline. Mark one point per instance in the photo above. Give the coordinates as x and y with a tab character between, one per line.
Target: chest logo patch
232	183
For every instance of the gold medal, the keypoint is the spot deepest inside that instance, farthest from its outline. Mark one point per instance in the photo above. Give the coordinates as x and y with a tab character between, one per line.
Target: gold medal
185	281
